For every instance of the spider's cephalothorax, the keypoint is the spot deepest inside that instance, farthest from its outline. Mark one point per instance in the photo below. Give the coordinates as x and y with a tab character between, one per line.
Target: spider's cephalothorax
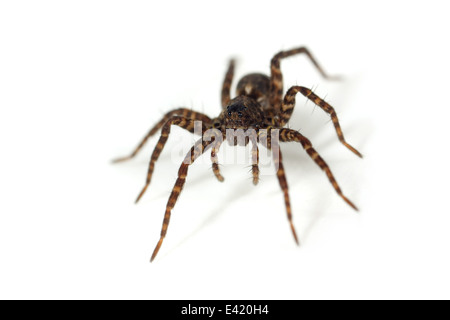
259	108
242	113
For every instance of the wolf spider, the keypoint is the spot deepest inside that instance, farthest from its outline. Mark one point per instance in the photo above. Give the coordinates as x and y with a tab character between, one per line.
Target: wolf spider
259	106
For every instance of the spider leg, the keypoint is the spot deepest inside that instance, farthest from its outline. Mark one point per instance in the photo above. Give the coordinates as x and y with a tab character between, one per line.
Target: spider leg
183	112
276	78
182	122
197	150
215	162
227	84
278	162
289	104
255	162
289	135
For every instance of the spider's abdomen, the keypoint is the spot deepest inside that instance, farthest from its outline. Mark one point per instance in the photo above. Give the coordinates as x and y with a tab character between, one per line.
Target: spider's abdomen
255	86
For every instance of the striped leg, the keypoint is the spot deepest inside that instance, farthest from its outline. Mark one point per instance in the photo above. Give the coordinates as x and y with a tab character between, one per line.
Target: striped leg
278	162
289	104
255	162
227	84
289	135
183	112
182	122
215	162
276	78
196	151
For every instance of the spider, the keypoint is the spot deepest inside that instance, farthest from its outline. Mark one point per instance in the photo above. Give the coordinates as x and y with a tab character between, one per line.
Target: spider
259	108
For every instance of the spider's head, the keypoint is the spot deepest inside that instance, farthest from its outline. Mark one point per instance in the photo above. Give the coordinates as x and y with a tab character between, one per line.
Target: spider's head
242	113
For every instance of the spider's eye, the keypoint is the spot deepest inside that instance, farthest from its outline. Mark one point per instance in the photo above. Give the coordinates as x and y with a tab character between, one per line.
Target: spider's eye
237	108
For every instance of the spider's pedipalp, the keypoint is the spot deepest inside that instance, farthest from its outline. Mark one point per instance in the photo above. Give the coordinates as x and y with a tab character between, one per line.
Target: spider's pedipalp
197	150
255	162
288	107
183	112
288	135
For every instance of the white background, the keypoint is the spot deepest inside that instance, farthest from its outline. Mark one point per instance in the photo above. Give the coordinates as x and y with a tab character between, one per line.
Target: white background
82	81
